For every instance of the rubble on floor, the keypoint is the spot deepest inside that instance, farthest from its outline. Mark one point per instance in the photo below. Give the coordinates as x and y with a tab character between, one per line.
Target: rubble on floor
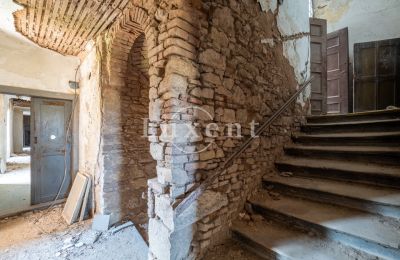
45	235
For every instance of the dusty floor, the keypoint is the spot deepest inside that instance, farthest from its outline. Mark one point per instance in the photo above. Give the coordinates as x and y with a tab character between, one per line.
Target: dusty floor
230	250
15	186
44	235
18	161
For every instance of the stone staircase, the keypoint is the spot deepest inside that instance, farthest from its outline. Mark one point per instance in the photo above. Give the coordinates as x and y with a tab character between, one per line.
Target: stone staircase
336	194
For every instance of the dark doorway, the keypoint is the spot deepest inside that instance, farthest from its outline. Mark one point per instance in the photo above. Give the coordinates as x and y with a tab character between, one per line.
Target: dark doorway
376	75
27	131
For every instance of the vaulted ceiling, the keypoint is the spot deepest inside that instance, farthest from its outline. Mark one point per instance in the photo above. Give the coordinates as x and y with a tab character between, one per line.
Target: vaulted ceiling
65	25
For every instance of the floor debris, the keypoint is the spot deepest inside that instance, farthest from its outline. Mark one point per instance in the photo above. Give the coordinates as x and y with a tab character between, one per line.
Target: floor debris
21	238
121	227
101	222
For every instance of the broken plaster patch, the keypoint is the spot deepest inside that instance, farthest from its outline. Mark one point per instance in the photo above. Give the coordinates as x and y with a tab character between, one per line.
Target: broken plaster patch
297	52
268	5
293	17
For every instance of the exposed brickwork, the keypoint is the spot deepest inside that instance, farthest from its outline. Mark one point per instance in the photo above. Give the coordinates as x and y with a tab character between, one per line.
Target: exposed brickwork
226	59
127	163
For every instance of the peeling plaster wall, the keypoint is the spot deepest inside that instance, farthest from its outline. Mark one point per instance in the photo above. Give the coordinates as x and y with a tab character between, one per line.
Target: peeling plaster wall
24	64
367	20
293	24
90	119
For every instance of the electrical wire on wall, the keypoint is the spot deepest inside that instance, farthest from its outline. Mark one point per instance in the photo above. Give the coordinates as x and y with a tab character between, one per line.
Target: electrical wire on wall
68	132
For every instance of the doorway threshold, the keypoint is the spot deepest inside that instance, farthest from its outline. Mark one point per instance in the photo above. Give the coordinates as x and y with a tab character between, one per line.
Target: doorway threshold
32	208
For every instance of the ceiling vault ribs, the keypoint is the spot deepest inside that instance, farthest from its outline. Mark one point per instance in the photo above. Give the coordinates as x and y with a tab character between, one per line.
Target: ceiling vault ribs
65	26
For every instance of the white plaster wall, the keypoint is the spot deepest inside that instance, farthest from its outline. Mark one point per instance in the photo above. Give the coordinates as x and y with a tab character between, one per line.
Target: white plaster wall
3	132
90	118
293	24
367	20
24	64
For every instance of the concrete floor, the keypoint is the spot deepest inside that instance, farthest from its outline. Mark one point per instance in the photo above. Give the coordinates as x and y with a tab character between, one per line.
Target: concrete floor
15	186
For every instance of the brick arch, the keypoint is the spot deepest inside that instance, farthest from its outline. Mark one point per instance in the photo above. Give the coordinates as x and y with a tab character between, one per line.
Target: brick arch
126	161
171	36
133	23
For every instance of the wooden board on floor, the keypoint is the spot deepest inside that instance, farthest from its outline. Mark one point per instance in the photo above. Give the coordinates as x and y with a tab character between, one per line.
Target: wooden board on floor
85	199
74	202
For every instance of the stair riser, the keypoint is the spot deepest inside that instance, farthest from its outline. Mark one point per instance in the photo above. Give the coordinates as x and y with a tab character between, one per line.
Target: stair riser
372	127
348	239
394	114
392	141
325	197
387	158
256	248
377	179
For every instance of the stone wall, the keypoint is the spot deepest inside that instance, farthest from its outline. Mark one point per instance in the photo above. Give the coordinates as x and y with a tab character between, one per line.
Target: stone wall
218	62
245	77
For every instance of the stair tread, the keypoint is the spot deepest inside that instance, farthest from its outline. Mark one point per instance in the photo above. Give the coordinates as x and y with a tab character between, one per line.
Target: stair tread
362	167
348	148
356	134
382	195
357	114
378	229
354	122
291	243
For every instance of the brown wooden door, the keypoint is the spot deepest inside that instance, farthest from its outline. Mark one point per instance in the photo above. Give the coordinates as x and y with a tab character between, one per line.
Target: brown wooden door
318	66
376	75
338	71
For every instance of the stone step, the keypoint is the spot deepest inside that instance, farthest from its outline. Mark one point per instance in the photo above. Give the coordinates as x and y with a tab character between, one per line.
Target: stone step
350	139
361	116
381	154
371	233
341	170
354	126
374	199
272	240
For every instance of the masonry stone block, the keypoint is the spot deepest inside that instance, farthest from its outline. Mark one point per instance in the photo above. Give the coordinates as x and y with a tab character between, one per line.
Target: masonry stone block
180	133
213	59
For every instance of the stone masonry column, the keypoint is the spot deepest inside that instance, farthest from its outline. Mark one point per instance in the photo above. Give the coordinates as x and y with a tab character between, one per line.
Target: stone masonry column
172	132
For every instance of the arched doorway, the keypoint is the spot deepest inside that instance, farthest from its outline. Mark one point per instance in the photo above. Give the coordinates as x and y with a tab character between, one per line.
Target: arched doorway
126	160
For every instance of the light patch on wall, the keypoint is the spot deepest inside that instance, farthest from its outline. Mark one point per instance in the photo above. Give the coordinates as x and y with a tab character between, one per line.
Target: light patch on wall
7	7
332	11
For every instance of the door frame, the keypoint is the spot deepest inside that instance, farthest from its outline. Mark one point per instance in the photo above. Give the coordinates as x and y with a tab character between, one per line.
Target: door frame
36	156
377	77
343	69
319	67
34	93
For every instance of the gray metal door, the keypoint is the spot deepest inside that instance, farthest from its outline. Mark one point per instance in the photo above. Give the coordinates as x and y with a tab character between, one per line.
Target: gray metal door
51	150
